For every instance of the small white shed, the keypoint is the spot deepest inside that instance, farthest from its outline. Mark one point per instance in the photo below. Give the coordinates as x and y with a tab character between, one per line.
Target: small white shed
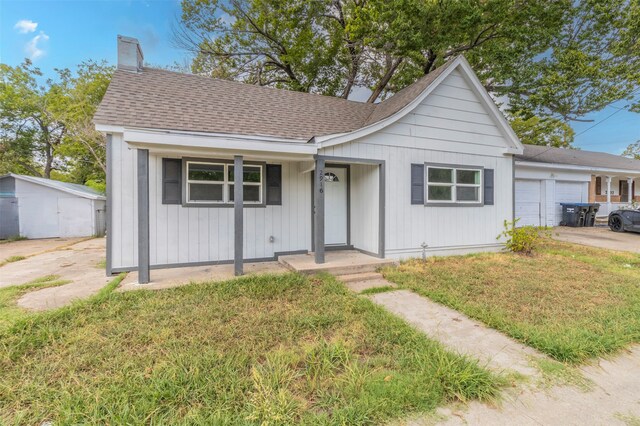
34	207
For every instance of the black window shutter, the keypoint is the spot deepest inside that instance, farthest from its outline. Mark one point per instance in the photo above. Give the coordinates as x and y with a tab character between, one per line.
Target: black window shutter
417	184
488	187
171	181
274	185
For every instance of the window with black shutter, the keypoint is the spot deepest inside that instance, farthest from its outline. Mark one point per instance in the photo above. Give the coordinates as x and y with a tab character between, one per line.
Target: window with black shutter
274	185
488	187
417	184
171	181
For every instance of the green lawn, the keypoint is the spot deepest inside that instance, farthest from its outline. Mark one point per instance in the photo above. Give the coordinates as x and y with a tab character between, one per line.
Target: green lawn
9	311
277	349
571	302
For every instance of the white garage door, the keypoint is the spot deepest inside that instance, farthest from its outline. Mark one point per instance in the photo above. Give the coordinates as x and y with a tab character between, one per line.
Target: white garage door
569	192
528	202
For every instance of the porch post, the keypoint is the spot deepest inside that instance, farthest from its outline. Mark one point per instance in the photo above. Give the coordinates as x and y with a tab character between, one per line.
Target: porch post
143	216
608	194
238	202
318	211
630	189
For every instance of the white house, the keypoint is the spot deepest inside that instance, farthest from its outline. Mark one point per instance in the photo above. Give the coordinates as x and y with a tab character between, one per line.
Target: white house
546	177
429	168
34	207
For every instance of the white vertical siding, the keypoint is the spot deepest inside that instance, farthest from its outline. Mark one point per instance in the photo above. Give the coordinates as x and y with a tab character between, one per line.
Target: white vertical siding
365	207
451	127
182	235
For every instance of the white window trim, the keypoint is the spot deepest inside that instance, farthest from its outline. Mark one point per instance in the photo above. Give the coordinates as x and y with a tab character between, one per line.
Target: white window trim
226	184
453	185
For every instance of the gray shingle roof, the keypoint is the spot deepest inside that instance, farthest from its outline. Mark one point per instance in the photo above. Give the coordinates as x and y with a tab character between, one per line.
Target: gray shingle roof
544	154
163	99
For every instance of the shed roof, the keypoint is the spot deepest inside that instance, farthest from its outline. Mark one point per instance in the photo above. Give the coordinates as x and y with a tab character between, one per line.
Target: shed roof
163	99
70	188
576	157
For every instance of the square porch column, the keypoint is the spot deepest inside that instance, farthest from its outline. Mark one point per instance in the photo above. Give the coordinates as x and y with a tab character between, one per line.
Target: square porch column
143	216
608	194
318	211
630	190
238	222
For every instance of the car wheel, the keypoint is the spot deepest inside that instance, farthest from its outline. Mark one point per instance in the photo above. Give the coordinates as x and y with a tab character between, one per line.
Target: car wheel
615	224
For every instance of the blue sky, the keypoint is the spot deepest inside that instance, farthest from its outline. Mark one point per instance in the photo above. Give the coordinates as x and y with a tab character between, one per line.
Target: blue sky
63	33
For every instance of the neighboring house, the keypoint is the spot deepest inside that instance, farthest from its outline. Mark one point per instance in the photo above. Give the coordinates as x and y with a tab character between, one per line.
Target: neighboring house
34	207
546	177
430	168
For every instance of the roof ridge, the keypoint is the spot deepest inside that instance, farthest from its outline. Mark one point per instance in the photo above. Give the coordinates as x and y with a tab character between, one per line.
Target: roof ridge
240	83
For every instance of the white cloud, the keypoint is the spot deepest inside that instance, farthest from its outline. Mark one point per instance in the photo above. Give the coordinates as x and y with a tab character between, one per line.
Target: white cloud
25	26
33	47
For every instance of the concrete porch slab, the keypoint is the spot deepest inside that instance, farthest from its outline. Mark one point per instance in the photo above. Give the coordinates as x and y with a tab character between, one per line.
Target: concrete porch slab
339	262
175	277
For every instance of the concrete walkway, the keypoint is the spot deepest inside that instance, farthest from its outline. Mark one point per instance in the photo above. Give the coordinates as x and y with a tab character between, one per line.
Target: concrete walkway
613	400
460	333
77	263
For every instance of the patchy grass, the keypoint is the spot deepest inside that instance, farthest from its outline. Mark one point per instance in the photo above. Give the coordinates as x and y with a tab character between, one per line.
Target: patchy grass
12	239
571	302
102	264
9	311
11	259
557	373
376	290
275	349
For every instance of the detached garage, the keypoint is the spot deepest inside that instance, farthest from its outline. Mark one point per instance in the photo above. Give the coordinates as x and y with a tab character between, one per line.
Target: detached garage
34	207
545	177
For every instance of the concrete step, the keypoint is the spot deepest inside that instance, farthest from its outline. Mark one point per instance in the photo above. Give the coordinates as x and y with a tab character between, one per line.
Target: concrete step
364	276
345	262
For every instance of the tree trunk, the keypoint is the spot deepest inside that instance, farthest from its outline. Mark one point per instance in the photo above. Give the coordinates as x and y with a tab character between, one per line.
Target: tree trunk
48	161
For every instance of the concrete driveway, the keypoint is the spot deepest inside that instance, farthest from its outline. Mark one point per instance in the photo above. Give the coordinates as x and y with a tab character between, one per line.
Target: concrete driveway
77	263
599	237
28	248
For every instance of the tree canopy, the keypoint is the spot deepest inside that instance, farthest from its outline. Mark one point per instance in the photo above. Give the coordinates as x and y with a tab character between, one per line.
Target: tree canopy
554	62
46	129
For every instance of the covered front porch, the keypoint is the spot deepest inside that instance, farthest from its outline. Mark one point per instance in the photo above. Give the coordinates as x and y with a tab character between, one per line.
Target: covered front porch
614	191
197	207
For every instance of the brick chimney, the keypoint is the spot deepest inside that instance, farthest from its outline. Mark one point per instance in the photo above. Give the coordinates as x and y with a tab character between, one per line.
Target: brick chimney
130	57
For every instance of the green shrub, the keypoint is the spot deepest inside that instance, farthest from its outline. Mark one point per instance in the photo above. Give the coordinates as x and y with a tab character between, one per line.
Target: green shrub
523	239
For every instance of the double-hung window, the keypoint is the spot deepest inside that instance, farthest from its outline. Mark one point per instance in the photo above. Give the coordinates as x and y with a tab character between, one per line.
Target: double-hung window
453	185
212	183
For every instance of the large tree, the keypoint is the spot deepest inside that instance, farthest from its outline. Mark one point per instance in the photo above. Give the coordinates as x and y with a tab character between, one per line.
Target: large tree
46	128
633	150
553	61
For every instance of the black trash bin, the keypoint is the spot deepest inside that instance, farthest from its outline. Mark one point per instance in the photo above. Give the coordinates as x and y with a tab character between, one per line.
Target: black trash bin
574	214
591	214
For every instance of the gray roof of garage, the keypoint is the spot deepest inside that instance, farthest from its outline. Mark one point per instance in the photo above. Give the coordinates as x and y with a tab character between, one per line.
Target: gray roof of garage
70	188
576	157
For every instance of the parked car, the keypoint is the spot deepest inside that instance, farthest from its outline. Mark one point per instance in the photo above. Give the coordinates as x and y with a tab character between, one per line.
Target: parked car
624	220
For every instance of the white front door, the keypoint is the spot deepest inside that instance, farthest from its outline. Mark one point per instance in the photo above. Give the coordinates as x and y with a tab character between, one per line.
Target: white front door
335	206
